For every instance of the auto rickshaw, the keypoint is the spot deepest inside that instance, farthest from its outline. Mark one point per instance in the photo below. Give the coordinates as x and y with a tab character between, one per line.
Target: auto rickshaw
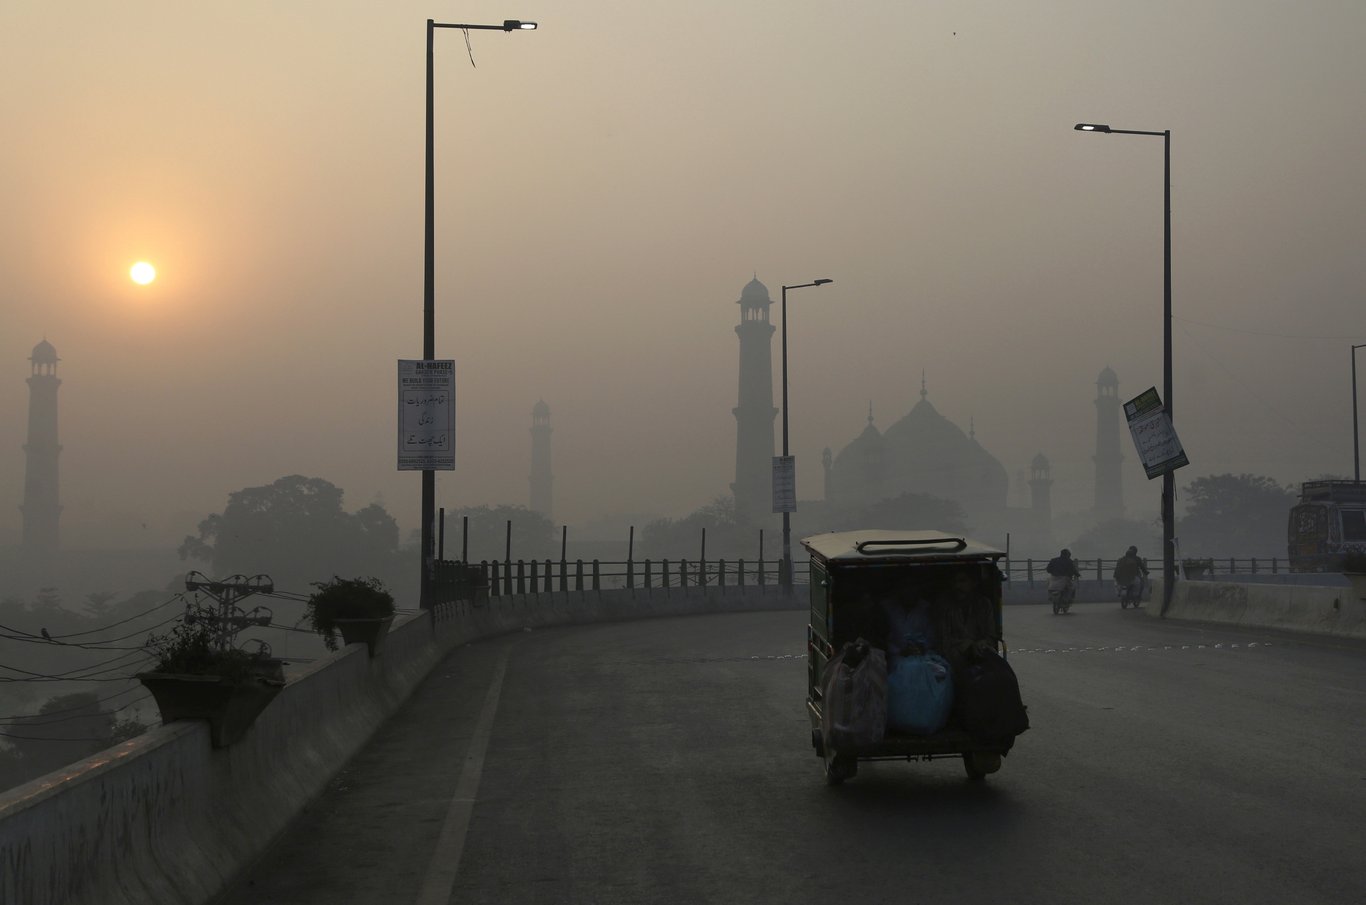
855	577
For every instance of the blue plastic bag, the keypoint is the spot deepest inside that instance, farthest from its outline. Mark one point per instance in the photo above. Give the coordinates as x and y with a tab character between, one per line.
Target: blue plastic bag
919	694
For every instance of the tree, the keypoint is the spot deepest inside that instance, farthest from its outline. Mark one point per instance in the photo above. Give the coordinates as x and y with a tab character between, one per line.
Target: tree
296	531
1235	515
533	535
730	534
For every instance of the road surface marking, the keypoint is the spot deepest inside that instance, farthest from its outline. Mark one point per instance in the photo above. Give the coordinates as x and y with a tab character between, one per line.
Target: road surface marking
445	864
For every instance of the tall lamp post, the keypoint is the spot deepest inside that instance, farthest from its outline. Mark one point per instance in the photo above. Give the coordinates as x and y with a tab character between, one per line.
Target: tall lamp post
1356	434
787	515
1168	478
429	301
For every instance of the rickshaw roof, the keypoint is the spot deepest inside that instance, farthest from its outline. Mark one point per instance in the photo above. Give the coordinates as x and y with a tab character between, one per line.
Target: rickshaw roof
885	545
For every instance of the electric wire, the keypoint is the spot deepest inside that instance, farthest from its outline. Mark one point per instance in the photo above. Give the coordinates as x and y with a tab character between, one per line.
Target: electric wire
40	738
28	719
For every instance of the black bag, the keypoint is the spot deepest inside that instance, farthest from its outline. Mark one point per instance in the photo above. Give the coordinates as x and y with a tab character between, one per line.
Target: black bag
987	701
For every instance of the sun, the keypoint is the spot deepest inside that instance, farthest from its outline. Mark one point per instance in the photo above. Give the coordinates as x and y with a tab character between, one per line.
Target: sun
142	273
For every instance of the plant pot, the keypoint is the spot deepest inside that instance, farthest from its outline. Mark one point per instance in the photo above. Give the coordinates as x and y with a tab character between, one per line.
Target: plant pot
371	631
228	706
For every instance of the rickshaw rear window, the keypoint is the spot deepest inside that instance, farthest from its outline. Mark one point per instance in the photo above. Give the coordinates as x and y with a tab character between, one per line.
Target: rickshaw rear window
1354	525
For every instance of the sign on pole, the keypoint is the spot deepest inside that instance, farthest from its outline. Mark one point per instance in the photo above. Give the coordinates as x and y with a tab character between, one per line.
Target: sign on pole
1154	437
426	415
784	483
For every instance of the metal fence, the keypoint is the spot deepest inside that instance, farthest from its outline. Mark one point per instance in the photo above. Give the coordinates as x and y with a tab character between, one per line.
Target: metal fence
494	578
1031	570
497	578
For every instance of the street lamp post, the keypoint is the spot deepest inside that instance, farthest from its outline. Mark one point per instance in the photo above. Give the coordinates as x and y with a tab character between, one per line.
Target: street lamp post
1168	478
1356	434
787	516
429	300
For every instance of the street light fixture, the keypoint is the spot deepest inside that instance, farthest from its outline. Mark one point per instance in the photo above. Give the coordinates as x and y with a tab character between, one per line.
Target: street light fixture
786	578
1168	478
429	297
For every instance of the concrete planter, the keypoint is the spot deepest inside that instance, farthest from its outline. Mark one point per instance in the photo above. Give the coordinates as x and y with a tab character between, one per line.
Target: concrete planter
370	631
230	707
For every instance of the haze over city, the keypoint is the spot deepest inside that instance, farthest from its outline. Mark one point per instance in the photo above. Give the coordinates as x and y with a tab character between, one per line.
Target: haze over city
608	184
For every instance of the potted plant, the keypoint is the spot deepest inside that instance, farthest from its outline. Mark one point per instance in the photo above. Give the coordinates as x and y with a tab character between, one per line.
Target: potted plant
360	609
199	677
1197	568
1354	568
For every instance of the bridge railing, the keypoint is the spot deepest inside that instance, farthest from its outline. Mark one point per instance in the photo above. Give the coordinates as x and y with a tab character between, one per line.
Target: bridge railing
497	578
1032	570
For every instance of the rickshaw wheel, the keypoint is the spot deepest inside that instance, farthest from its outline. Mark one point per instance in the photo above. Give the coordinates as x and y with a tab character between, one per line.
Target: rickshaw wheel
839	767
979	764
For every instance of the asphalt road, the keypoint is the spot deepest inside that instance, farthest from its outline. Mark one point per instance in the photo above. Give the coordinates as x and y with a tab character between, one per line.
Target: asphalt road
669	761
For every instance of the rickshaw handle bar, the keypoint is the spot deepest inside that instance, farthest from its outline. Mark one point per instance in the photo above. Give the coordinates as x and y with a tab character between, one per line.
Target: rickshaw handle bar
958	542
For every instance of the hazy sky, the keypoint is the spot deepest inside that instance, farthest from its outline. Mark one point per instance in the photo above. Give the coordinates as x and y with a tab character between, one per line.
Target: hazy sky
606	186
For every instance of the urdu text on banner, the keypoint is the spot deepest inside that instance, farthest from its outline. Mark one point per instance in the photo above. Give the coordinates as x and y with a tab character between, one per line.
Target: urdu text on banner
426	415
1154	437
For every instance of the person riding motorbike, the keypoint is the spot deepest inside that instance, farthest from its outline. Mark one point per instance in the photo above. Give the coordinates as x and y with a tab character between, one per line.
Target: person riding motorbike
1062	576
1130	574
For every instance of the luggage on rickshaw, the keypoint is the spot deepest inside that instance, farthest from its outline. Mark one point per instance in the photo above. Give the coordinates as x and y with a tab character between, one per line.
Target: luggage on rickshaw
931	603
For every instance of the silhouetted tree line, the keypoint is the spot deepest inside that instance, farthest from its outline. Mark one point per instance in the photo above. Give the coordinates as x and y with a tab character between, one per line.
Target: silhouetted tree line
296	531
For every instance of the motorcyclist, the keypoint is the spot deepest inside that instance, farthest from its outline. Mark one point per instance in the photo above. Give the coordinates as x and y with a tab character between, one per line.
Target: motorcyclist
1063	566
1062	576
1130	573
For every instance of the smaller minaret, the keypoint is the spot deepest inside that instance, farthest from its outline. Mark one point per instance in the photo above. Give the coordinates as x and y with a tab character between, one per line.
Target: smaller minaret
41	510
540	459
1040	493
1109	482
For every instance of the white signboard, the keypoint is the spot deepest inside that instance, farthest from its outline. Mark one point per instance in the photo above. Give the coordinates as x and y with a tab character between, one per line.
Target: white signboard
1154	437
784	483
426	415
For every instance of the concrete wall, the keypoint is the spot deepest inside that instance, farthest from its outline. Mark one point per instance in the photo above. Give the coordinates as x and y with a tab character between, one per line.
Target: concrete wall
1339	611
166	818
1088	591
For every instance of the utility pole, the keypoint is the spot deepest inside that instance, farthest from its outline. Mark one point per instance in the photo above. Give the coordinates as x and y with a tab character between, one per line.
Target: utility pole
229	618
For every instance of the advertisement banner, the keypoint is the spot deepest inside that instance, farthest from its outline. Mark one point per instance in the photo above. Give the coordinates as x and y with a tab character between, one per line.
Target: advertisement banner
1154	437
426	415
784	483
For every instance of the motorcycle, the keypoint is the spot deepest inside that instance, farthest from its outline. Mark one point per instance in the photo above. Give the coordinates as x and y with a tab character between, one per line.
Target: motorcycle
1131	594
1061	591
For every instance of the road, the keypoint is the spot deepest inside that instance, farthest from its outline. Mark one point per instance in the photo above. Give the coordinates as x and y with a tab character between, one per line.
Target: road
669	761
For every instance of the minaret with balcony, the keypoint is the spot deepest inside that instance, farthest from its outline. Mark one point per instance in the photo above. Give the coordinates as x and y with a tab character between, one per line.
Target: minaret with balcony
755	412
541	478
41	510
1109	483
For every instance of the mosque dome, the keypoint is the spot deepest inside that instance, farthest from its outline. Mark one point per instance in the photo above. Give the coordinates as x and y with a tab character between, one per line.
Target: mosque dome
1040	463
924	452
44	352
755	294
1107	378
858	470
540	409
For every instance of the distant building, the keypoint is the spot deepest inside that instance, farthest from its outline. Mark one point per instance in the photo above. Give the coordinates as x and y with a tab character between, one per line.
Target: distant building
754	412
1109	483
41	510
926	453
541	478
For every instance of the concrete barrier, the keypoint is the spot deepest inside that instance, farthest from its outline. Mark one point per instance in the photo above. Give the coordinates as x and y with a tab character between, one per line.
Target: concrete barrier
1089	590
1296	608
167	818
